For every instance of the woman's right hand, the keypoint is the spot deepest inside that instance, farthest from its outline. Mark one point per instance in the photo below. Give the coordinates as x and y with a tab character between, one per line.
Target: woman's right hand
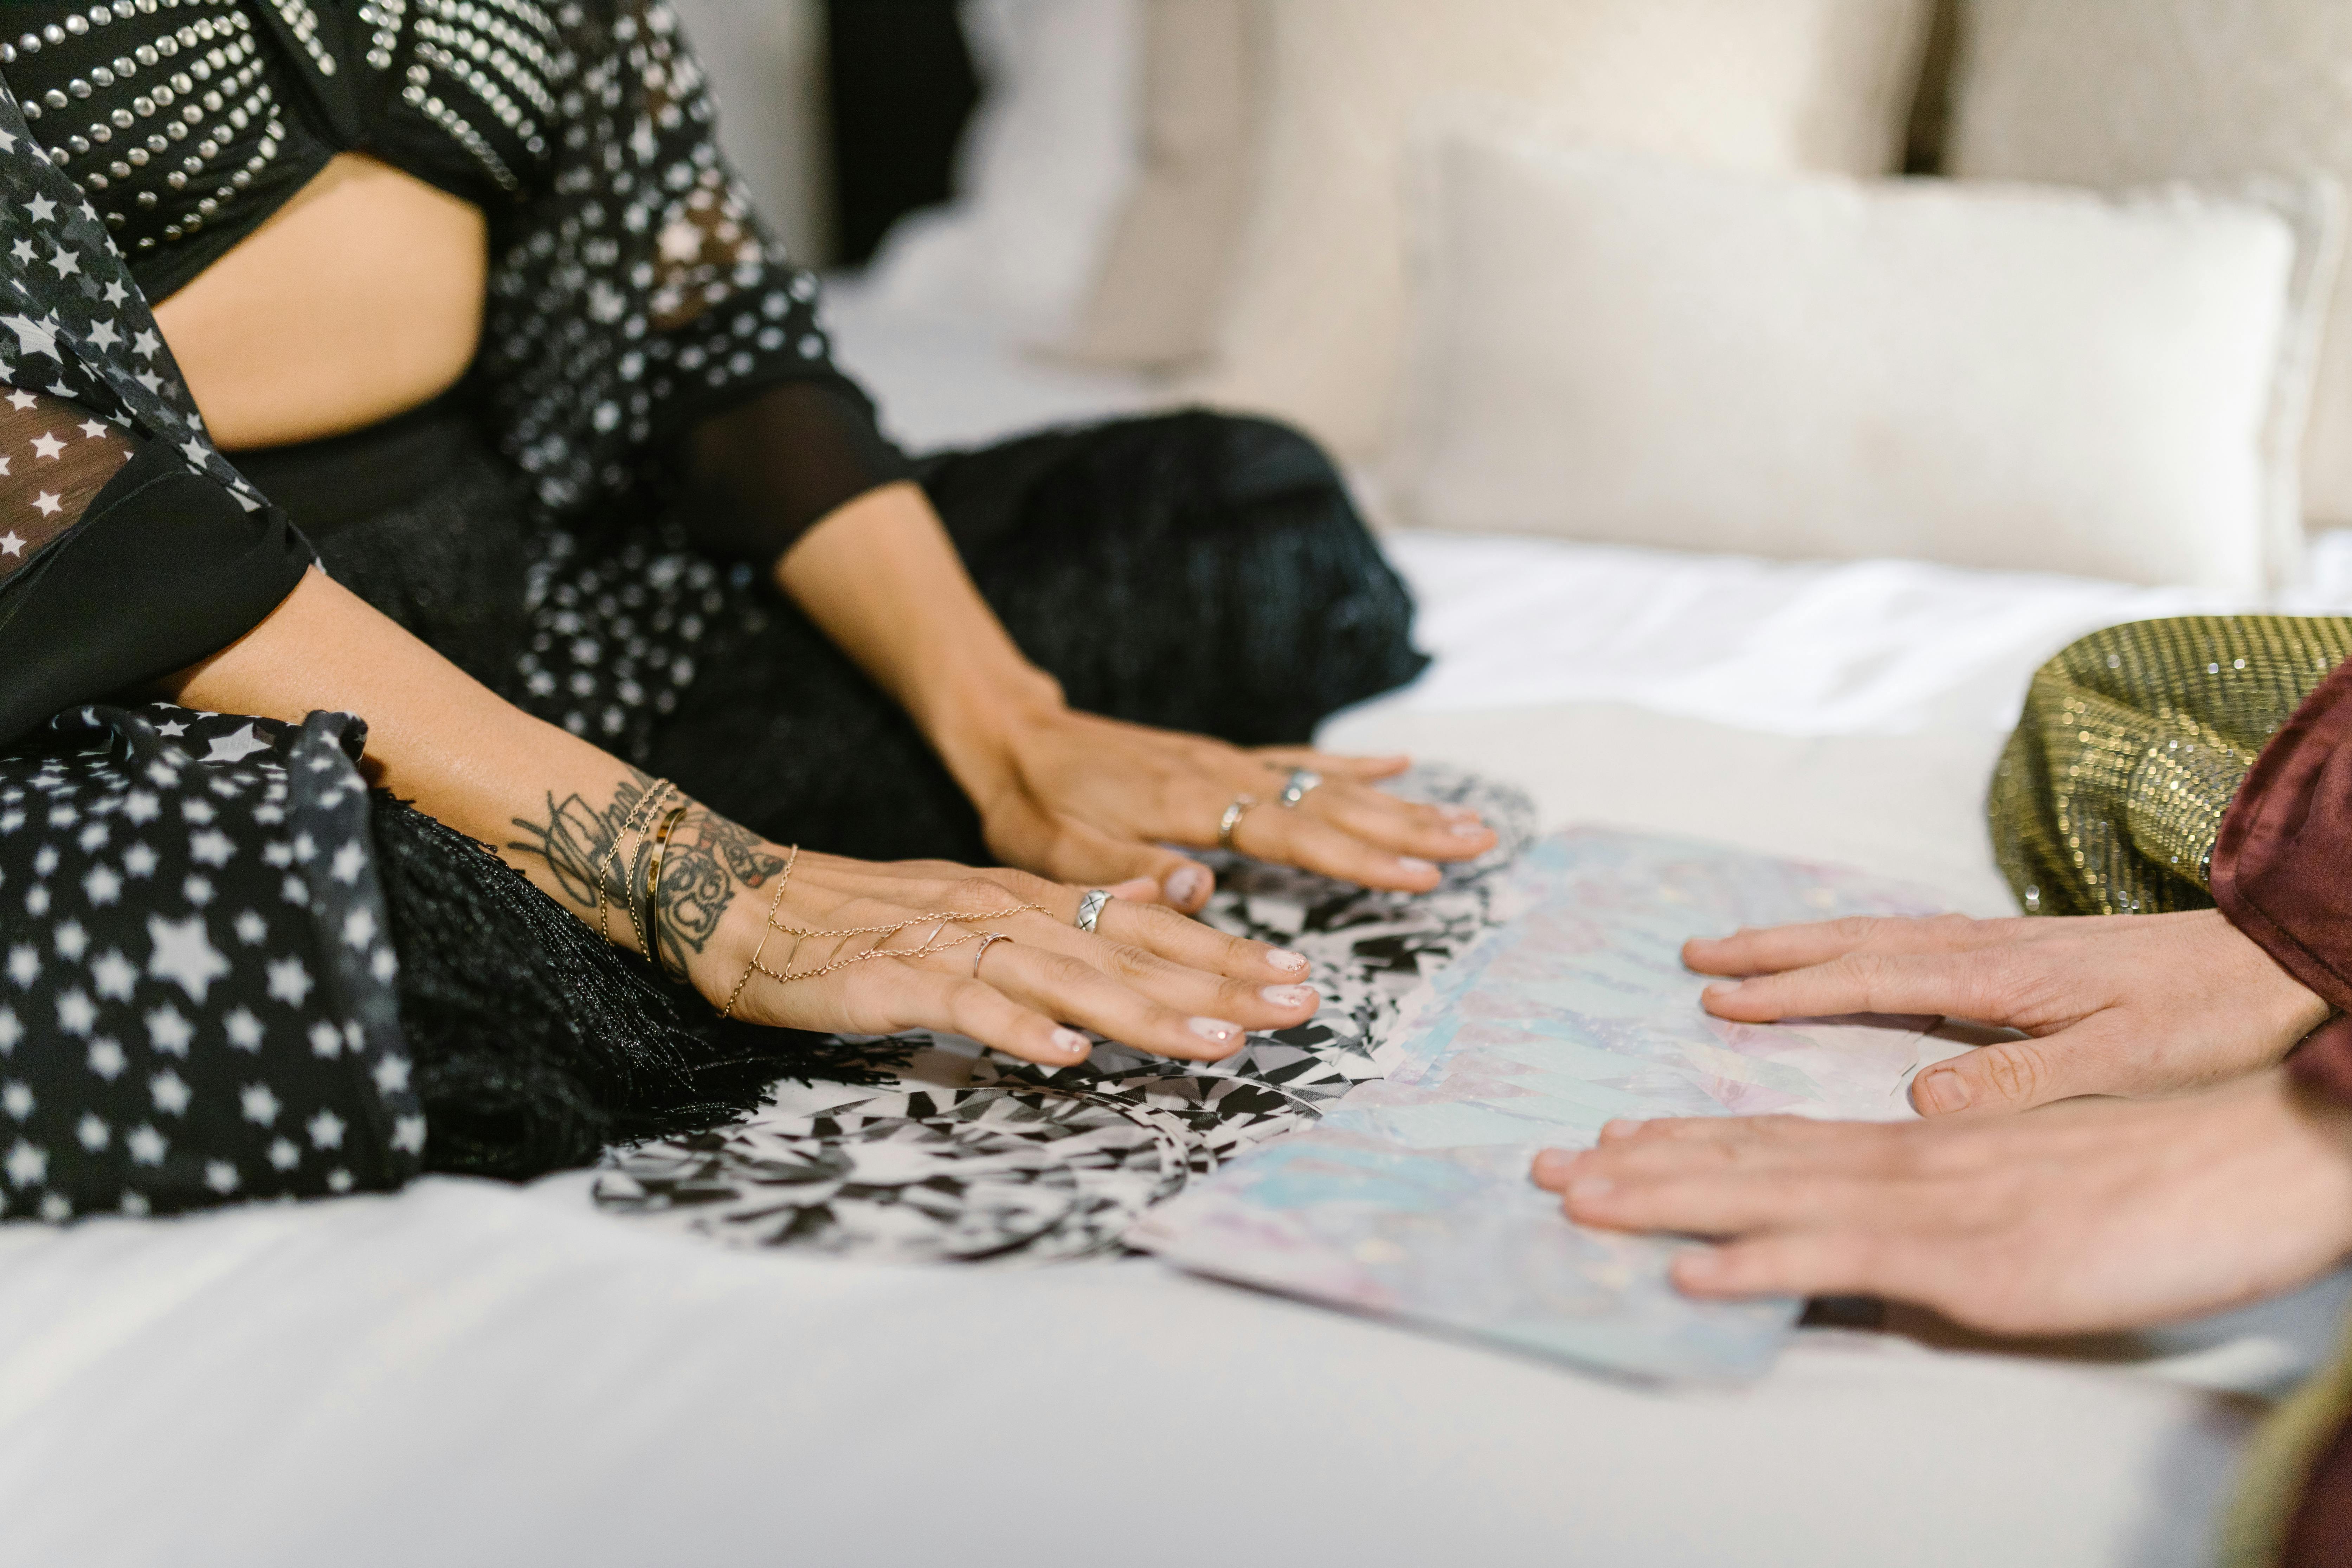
1147	977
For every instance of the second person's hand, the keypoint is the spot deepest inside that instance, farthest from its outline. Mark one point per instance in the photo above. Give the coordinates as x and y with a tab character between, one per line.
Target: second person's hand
2123	1004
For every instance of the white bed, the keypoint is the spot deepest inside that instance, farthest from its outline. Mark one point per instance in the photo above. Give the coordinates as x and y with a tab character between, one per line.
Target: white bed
472	1374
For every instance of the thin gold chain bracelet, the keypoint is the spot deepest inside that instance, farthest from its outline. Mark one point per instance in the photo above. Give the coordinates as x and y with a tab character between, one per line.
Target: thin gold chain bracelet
655	792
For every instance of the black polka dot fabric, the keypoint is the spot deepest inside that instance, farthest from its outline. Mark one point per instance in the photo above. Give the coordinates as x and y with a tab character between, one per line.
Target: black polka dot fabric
633	289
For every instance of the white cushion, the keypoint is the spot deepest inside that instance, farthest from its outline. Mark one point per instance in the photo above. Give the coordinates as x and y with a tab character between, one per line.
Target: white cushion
1626	350
2116	92
1041	175
1312	325
1168	256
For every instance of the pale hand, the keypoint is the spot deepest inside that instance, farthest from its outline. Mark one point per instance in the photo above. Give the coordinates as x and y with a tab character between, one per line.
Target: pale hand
1093	801
1149	978
2123	1004
2077	1218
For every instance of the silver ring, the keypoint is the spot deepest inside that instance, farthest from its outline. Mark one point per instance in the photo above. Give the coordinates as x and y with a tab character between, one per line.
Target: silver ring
1233	816
1301	781
1090	909
982	950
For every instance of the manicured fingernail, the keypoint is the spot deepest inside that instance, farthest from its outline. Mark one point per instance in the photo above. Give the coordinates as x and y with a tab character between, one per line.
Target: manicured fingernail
1290	995
1722	988
1457	814
1942	1091
1283	958
1216	1029
1621	1128
1186	886
1589	1188
1416	867
1468	830
1071	1043
1554	1163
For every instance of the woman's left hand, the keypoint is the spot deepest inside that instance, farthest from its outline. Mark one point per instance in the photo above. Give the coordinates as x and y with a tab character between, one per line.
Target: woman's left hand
1094	801
2127	1004
2085	1216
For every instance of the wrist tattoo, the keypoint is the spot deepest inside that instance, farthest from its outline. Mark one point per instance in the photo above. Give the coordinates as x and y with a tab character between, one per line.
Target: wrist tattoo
706	862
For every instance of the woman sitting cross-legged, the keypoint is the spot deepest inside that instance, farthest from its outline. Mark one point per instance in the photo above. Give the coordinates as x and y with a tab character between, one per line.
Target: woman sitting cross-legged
550	531
2181	791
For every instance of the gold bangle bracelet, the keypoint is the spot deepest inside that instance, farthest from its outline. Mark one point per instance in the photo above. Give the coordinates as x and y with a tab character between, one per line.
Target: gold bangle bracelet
653	889
644	807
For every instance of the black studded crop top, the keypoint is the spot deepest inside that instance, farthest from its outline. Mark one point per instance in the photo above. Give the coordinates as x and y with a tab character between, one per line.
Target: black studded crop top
188	122
652	364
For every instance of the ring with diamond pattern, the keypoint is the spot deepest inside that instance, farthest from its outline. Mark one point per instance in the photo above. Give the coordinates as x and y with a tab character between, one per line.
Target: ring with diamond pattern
1301	781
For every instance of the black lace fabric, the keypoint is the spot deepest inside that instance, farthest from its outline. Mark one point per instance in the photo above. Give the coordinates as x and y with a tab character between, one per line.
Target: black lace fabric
537	1046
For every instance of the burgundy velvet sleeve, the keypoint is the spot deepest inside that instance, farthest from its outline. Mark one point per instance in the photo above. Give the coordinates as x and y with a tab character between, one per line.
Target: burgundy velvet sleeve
2283	868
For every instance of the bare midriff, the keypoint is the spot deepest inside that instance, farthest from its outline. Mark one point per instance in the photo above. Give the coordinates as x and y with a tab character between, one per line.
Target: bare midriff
360	299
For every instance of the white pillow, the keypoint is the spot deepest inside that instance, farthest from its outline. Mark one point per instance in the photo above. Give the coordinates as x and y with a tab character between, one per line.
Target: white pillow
1042	173
1312	328
2119	93
1626	350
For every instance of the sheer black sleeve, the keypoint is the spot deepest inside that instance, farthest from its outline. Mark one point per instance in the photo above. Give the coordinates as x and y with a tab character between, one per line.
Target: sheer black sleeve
129	547
119	564
766	472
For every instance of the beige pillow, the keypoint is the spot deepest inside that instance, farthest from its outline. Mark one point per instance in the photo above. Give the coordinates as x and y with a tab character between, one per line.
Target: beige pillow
1314	327
1163	274
1620	349
2112	92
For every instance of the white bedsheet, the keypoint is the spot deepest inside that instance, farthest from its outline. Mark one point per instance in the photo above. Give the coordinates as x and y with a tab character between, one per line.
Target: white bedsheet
472	1376
467	1373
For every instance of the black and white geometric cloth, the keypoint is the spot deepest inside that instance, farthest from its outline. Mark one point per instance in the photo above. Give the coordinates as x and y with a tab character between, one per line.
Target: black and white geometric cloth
973	1156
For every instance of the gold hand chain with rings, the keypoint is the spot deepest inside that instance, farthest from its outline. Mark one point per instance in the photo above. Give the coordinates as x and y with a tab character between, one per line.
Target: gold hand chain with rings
929	945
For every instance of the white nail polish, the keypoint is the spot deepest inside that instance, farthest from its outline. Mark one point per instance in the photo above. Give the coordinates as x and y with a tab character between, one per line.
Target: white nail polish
1289	995
1216	1029
1071	1043
1283	958
1186	886
1468	830
1413	865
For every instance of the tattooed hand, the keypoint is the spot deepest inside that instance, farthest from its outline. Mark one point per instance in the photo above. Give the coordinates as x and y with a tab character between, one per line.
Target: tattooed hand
561	812
850	947
606	854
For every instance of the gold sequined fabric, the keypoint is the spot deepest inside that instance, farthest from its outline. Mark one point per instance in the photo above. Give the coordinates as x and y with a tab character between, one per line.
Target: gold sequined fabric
2110	795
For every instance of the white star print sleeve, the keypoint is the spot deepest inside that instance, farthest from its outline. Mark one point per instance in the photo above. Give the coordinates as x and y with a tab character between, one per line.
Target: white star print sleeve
55	457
